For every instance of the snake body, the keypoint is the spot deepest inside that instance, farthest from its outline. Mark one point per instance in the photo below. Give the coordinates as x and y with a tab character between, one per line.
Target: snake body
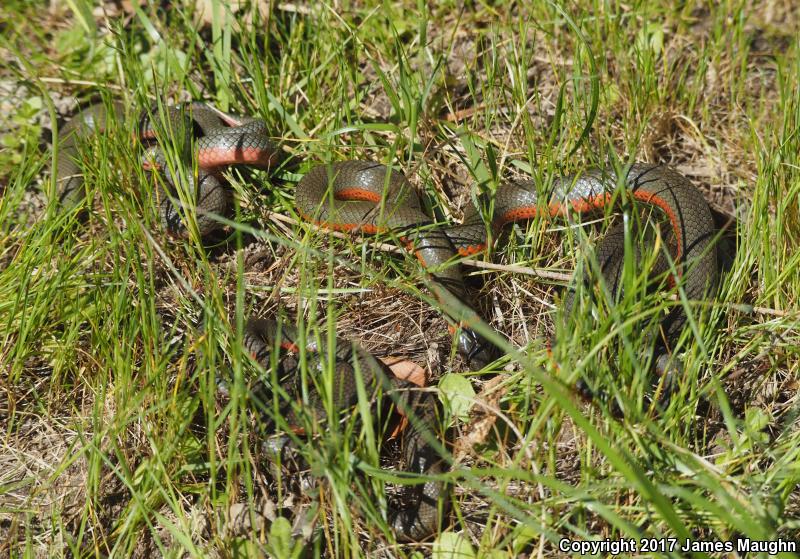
219	140
420	517
370	197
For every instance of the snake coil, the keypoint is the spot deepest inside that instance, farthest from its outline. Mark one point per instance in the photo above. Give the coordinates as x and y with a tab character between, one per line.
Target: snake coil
366	196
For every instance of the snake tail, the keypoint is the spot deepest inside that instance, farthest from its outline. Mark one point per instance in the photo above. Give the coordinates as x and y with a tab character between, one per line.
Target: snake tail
424	502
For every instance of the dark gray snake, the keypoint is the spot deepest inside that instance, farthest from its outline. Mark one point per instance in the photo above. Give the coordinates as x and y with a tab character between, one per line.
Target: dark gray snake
219	140
361	195
425	502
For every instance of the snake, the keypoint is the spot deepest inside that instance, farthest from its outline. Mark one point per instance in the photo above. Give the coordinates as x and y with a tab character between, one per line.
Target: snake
370	197
219	140
424	502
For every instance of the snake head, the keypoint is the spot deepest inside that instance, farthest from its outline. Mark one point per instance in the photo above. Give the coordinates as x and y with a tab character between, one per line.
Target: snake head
477	350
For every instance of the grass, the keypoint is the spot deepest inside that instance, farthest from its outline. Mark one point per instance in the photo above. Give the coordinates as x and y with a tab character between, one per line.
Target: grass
116	440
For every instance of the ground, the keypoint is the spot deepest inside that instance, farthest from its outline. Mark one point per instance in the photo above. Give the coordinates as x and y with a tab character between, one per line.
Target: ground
116	437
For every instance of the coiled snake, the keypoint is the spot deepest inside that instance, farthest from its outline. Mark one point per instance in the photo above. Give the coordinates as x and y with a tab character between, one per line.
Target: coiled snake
366	196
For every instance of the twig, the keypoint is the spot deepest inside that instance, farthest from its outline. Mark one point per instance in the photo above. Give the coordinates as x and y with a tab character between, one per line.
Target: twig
542	273
513	269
